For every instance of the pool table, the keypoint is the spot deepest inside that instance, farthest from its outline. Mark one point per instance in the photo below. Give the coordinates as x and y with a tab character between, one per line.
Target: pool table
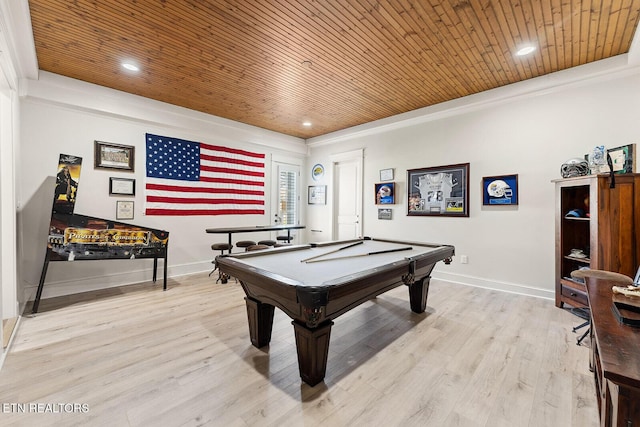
315	283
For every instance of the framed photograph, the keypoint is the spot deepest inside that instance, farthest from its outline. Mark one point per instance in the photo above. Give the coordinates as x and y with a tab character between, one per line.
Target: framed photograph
385	193
122	186
317	195
114	156
124	209
500	190
384	213
622	158
386	175
438	191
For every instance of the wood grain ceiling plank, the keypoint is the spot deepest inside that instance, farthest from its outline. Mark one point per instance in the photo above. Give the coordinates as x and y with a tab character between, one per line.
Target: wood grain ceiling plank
541	34
287	96
414	33
614	35
334	70
487	43
242	60
594	24
464	32
363	32
610	29
583	37
567	33
506	22
352	103
465	83
522	36
549	49
406	60
534	38
428	53
345	67
631	26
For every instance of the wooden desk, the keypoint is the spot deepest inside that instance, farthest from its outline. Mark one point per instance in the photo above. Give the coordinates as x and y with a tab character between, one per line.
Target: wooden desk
615	358
232	230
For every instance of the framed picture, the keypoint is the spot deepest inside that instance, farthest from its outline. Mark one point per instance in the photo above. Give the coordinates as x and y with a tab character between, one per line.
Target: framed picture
385	193
122	186
500	190
438	191
384	213
317	172
622	158
114	156
124	209
317	195
386	175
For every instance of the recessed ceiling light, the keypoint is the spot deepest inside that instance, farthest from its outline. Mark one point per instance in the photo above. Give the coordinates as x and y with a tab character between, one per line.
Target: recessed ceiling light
130	66
525	50
306	124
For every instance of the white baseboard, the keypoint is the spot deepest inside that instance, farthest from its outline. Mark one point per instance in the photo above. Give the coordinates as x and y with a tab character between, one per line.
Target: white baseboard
514	288
86	284
92	283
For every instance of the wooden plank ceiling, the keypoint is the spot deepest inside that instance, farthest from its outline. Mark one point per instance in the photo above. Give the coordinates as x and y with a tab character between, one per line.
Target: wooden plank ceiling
334	63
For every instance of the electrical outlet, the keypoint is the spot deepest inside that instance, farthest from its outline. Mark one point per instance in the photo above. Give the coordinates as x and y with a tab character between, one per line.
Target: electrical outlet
464	259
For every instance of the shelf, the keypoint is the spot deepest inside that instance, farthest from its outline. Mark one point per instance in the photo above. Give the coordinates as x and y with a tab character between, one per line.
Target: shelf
581	260
574	218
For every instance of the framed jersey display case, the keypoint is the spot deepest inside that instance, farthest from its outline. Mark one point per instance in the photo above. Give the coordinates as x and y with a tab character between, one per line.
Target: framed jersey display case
438	191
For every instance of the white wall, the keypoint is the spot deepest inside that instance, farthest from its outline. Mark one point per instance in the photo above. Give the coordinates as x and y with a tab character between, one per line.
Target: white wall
60	115
524	131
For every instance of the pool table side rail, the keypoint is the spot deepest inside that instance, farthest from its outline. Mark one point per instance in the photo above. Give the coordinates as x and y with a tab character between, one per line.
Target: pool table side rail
336	296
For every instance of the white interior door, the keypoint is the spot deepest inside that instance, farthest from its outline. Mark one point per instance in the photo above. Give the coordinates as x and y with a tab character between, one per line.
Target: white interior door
347	190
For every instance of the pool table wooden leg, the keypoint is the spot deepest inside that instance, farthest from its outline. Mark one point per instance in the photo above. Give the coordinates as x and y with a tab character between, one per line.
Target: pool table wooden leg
260	316
313	351
418	291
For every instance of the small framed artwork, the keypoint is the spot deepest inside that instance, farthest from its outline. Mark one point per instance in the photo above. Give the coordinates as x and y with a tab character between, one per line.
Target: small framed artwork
385	193
317	195
317	172
124	209
122	186
500	190
386	174
114	156
622	158
438	191
384	213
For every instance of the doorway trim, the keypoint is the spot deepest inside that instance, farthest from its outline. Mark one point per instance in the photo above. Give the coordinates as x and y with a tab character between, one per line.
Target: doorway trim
348	156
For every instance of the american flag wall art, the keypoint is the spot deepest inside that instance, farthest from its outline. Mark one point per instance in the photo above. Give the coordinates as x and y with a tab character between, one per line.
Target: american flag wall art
194	178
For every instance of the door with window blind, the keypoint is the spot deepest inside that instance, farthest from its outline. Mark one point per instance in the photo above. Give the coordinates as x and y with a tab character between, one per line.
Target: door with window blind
286	206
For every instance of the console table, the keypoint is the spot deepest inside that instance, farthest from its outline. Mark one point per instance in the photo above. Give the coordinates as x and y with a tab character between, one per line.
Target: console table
615	357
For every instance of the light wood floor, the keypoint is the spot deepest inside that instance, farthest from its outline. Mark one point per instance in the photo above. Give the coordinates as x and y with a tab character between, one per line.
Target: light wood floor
139	356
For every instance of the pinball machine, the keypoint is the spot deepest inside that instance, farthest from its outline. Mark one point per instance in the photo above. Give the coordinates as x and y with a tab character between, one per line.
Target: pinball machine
75	237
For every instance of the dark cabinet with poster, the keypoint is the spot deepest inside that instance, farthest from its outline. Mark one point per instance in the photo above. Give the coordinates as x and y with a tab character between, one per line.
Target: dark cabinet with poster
597	227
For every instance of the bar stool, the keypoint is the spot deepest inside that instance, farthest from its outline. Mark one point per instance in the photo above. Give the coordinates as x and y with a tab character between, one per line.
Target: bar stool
286	239
245	244
258	247
267	242
220	247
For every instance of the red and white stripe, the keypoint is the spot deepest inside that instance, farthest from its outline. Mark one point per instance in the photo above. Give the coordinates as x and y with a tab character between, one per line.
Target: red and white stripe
231	183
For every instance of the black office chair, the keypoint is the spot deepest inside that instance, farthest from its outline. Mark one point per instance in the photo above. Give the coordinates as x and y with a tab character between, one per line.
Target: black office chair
580	276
